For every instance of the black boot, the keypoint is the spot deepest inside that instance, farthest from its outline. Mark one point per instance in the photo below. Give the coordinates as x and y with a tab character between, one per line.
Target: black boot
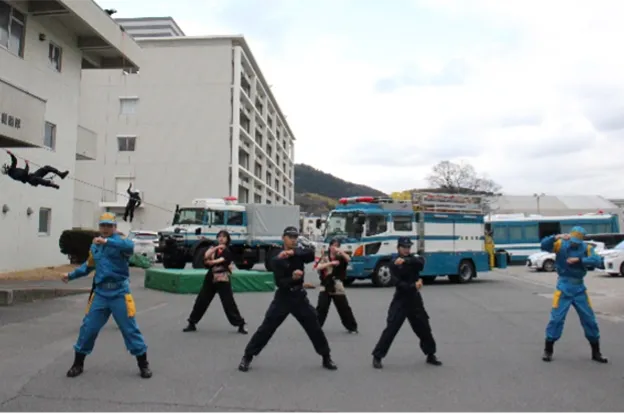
377	363
78	366
190	328
144	366
433	360
244	363
549	348
242	329
596	355
328	363
64	174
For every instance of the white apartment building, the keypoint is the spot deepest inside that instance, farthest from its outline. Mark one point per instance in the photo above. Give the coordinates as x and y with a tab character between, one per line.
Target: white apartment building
44	46
150	27
198	120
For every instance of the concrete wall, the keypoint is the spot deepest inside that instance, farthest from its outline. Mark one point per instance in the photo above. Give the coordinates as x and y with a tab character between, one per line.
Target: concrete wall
183	138
22	246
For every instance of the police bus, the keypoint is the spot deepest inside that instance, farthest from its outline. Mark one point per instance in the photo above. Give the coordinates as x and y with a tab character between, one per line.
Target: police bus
519	235
447	229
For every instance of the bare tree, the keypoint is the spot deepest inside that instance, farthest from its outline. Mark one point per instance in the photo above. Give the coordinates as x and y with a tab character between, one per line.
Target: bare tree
461	177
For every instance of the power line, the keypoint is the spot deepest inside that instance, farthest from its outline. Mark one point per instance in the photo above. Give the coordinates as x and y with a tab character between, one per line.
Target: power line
95	186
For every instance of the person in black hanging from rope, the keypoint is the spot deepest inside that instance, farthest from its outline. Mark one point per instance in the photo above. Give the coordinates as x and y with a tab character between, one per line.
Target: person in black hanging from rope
36	178
133	202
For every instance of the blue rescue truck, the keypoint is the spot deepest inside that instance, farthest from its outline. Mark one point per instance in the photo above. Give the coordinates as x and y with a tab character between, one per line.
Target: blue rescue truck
448	230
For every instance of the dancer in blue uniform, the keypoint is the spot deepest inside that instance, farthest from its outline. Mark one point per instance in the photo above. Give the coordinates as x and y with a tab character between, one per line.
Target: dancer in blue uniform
573	258
109	257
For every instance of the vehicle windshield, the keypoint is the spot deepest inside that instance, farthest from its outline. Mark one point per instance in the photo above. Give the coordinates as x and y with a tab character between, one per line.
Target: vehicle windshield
343	224
190	216
619	246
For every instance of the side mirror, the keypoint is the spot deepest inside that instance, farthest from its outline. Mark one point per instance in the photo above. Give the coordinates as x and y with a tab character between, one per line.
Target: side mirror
176	230
318	223
198	231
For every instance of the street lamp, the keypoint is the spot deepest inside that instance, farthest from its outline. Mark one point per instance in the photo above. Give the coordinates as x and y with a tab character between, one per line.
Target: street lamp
538	196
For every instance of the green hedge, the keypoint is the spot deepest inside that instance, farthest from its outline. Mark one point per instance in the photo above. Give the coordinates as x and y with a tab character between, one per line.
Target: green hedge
76	243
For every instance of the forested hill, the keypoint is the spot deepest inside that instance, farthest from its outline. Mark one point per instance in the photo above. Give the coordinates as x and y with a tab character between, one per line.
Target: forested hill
318	192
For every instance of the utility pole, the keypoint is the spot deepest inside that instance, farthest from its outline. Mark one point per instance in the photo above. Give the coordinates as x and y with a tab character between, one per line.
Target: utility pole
538	196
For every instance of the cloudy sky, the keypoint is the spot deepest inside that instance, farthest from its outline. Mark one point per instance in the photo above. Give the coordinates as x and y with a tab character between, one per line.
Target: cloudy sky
529	92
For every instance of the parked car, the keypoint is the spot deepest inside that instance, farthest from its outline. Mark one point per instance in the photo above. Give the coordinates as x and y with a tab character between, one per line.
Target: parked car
145	243
614	260
545	261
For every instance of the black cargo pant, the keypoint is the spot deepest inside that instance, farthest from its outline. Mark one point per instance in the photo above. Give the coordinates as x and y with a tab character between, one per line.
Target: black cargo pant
406	305
205	296
342	306
284	303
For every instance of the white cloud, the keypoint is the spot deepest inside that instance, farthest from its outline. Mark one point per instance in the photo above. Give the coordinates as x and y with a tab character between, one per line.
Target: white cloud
530	92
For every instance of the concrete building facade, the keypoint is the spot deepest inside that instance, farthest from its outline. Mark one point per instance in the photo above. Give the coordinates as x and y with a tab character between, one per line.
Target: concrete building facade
44	46
198	120
151	27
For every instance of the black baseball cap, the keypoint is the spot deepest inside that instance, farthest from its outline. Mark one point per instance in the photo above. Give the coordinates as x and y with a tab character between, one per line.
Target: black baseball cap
405	241
291	231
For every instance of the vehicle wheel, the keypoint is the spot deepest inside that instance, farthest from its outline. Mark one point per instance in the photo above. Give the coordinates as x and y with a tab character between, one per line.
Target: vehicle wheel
614	275
548	265
465	273
198	257
171	262
244	266
429	279
382	276
622	269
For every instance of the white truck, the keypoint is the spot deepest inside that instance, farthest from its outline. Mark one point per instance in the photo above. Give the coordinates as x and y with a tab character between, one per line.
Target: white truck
255	229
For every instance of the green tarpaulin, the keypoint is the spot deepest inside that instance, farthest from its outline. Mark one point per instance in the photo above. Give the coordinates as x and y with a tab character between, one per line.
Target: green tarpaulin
189	281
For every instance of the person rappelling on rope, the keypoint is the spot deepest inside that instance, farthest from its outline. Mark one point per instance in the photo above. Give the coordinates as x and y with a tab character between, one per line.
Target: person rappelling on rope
133	202
36	178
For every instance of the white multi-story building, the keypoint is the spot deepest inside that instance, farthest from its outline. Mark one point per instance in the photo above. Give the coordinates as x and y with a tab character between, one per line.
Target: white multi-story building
44	46
198	120
151	27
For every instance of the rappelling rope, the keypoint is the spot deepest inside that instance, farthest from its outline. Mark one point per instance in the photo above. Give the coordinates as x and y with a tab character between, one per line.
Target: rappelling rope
95	186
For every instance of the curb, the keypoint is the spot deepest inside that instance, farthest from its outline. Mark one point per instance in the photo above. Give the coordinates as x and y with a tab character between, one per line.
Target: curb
12	296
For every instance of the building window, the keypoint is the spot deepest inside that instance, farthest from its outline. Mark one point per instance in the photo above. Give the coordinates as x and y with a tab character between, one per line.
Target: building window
259	138
257	199
126	143
259	106
128	105
55	55
12	29
269	151
245	86
268	178
49	140
270	122
244	122
258	170
45	220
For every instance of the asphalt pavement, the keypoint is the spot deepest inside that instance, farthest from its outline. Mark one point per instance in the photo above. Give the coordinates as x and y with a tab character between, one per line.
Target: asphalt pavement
490	337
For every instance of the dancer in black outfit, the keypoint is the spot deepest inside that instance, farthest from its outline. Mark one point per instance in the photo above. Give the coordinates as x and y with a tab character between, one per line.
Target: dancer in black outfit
407	303
290	298
332	269
218	259
36	178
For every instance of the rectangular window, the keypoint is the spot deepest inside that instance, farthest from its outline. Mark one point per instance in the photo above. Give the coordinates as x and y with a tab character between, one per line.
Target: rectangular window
126	143
244	122
49	140
531	233
12	29
259	138
55	56
257	199
500	233
402	223
45	220
515	233
128	105
235	218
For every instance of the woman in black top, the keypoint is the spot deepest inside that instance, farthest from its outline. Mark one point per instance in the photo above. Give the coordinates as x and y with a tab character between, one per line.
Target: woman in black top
332	268
219	260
